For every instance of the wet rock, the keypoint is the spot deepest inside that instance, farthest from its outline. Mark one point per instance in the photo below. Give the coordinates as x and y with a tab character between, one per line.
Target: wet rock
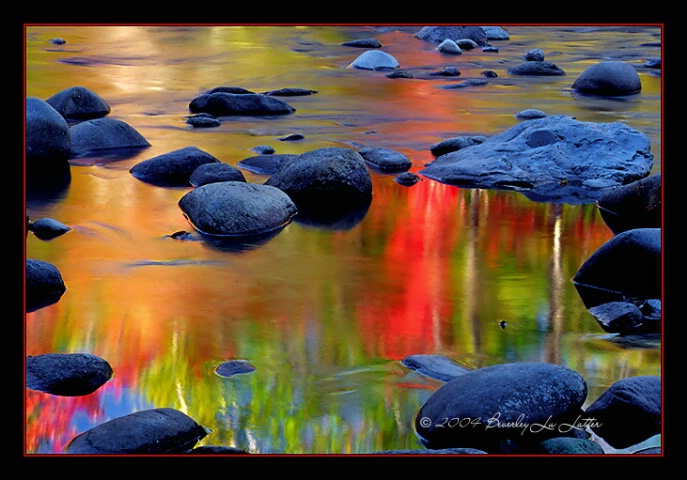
555	158
172	169
47	228
47	138
67	374
653	62
491	49
447	72
570	446
230	89
375	60
496	33
228	104
435	366
57	41
456	143
363	43
290	92
530	114
438	34
466	43
237	209
489	74
215	172
510	407
612	78
626	266
443	451
399	74
385	159
79	103
293	137
636	205
263	149
449	47
265	164
327	181
44	284
471	82
233	367
217	450
104	134
203	120
534	68
626	318
154	431
535	55
628	412
407	179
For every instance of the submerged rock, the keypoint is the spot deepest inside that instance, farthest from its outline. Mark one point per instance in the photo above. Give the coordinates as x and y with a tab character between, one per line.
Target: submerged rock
233	367
79	103
407	179
555	158
67	374
363	43
44	284
172	168
221	103
626	266
103	134
290	92
203	120
154	431
385	159
503	408
628	412
435	366
611	78
237	209
636	205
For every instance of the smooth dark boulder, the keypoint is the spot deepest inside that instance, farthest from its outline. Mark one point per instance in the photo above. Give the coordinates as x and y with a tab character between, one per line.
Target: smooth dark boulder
610	78
495	33
438	34
385	159
265	164
233	367
570	446
626	266
536	68
470	82
407	179
449	47
212	172
67	374
505	408
552	159
530	114
104	134
173	169
534	55
47	228
47	137
237	209
375	60
363	43
636	205
227	104
290	92
326	181
203	120
79	103
435	366
627	318
628	412
455	143
154	431
44	284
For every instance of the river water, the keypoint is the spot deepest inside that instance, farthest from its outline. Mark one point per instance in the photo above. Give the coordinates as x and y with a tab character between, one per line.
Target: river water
324	313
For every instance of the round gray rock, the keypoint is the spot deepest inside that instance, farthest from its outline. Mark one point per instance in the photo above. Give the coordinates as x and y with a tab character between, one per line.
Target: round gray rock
608	79
385	159
237	209
172	168
67	374
101	134
375	60
79	103
215	172
47	136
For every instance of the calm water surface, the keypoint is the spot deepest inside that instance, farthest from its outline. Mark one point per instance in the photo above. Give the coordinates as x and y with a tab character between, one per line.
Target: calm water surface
324	313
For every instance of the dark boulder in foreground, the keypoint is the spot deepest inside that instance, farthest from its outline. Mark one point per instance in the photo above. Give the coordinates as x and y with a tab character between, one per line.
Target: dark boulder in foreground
536	68
611	78
67	374
628	412
265	164
237	209
47	228
47	137
173	168
44	284
507	408
570	446
326	181
385	159
79	103
227	104
104	134
636	205
154	431
438	34
626	266
435	366
553	159
233	367
212	172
